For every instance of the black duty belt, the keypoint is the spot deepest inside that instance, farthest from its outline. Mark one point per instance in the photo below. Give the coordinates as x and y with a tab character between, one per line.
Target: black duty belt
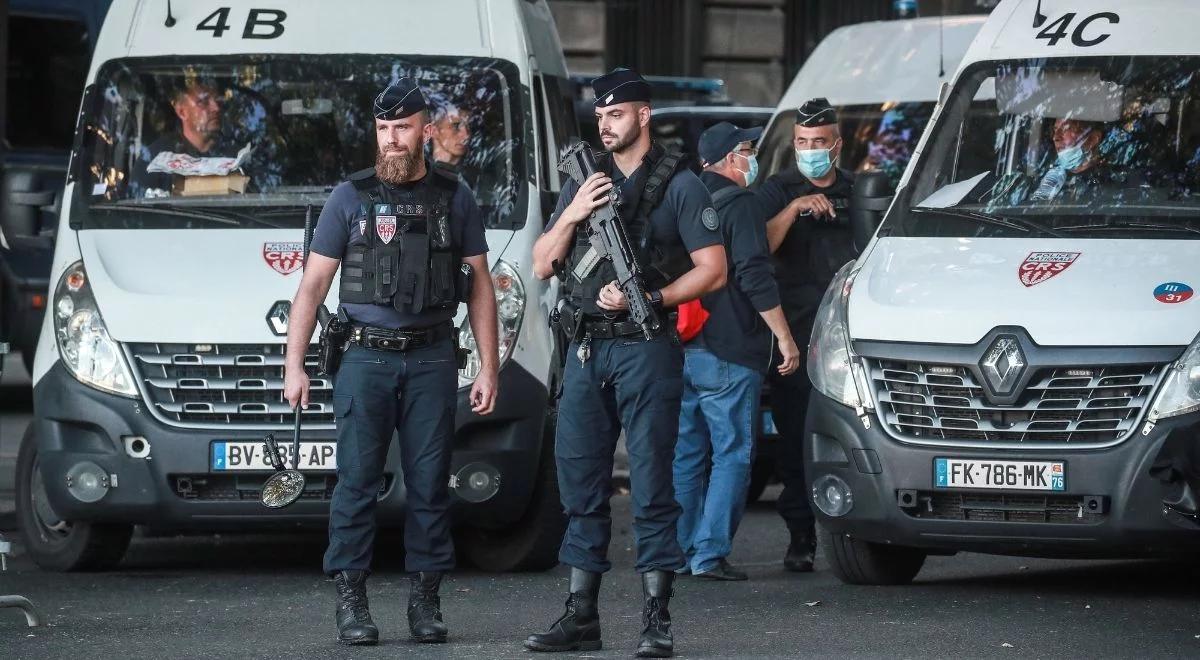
605	329
388	339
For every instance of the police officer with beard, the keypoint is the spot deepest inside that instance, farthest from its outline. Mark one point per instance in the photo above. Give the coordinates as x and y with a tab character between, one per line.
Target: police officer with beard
616	378
811	239
402	233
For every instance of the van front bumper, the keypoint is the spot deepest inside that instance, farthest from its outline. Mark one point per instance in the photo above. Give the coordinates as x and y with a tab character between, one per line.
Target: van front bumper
1112	506
174	487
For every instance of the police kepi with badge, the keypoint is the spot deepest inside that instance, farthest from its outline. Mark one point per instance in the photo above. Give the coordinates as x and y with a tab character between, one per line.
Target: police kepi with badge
615	376
410	243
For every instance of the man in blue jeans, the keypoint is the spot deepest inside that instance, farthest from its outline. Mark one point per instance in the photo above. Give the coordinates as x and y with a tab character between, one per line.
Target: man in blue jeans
724	366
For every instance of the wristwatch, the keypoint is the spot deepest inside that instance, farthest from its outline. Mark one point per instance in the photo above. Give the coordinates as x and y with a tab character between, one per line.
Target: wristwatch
656	298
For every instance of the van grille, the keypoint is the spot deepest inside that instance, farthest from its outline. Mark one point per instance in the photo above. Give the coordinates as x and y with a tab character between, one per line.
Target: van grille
943	404
1005	507
224	386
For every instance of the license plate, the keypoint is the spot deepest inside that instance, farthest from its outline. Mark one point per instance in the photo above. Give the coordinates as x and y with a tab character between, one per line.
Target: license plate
231	456
768	424
1006	475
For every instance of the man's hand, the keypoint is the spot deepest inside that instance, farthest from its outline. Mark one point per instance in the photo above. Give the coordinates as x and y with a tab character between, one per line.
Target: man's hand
483	392
611	298
295	387
817	205
791	356
591	195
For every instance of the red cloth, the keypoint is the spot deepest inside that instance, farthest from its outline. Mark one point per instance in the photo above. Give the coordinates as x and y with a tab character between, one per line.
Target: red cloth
692	316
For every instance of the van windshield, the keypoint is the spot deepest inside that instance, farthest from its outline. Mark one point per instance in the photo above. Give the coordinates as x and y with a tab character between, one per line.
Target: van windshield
252	141
1094	147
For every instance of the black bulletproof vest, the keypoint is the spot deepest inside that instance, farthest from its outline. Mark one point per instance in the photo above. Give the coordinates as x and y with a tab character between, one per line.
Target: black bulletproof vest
409	258
661	264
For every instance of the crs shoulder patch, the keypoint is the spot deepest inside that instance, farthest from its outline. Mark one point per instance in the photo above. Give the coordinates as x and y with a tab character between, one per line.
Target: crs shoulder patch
709	218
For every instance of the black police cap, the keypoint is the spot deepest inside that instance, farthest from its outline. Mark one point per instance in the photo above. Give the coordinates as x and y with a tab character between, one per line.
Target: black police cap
399	100
816	112
620	86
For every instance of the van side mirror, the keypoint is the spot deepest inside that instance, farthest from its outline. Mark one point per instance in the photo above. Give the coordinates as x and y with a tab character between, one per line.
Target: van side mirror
869	200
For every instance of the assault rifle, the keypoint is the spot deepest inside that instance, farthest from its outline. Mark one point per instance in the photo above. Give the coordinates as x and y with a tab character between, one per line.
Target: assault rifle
609	241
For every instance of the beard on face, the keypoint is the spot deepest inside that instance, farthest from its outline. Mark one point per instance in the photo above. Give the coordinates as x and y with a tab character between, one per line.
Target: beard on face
620	142
395	166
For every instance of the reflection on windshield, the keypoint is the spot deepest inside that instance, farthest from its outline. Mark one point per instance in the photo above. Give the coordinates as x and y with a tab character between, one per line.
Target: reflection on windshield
213	134
1103	146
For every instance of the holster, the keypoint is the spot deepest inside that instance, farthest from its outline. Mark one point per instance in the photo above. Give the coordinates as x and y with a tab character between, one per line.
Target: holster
569	319
332	345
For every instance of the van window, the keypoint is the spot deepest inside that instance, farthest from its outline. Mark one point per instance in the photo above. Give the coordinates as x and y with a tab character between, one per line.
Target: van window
1098	147
250	141
874	137
47	66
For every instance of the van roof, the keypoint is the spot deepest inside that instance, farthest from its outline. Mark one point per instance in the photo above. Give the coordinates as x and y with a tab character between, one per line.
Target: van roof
883	61
1094	28
469	28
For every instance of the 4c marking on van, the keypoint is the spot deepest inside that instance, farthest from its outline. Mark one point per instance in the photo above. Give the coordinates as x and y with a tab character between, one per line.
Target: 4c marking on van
1172	292
1041	266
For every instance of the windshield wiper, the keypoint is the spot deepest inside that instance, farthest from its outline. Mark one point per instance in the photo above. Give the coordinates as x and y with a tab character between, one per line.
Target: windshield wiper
1009	222
1125	224
196	213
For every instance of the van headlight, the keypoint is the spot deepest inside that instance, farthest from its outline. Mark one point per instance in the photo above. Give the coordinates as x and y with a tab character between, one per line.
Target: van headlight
83	342
1180	392
510	309
832	367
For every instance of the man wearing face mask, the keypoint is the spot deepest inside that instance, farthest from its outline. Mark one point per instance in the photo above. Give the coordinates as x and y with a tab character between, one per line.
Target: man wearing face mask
811	240
1078	167
725	364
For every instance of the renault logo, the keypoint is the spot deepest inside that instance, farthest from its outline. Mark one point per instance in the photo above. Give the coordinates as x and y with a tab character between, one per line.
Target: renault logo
277	318
1003	364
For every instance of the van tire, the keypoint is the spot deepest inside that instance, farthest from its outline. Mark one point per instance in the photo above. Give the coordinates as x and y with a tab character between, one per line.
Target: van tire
530	544
61	546
855	561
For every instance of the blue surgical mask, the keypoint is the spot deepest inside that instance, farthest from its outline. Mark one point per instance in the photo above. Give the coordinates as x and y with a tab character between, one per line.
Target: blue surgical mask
813	163
1073	156
752	173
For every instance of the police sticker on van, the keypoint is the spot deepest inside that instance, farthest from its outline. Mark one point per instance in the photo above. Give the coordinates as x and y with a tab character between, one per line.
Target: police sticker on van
1041	266
284	258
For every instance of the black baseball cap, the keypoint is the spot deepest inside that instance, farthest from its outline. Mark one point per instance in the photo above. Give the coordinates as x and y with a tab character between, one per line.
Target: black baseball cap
720	139
399	100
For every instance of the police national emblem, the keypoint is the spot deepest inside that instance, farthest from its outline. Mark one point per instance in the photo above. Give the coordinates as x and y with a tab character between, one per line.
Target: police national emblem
385	227
709	218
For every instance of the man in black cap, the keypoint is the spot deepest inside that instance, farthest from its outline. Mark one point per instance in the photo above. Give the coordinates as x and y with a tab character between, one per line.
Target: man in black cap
614	377
724	365
407	235
811	239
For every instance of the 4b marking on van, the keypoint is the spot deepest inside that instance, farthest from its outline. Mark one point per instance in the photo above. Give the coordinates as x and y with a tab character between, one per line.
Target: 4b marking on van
1041	266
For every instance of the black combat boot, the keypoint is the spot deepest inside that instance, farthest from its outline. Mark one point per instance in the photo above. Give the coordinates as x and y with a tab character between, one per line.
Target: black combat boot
578	629
656	619
800	553
353	618
425	609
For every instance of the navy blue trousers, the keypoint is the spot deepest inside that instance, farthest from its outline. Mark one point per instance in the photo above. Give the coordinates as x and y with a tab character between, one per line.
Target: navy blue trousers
377	394
636	385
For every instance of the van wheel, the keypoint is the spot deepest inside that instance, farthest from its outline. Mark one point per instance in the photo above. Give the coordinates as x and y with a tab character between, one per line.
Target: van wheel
531	544
55	544
855	561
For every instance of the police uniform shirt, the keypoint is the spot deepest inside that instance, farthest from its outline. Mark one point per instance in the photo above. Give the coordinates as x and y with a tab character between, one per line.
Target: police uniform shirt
338	227
805	261
685	215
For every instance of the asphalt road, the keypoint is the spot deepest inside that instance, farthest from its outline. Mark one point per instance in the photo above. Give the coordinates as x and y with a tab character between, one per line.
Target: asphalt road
264	597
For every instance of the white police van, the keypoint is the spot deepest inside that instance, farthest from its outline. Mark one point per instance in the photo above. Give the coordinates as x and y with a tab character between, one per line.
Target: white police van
160	364
1012	366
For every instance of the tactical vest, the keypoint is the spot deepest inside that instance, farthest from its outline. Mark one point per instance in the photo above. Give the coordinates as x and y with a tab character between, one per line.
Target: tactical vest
408	258
661	264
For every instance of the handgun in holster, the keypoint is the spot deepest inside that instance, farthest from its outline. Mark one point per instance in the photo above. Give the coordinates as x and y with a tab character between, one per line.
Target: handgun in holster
569	319
335	332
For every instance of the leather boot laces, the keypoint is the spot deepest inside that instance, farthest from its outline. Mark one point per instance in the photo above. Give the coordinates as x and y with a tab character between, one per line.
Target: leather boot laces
356	601
427	606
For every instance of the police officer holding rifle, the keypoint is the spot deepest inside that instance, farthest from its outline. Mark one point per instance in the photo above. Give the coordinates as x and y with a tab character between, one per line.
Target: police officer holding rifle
632	226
